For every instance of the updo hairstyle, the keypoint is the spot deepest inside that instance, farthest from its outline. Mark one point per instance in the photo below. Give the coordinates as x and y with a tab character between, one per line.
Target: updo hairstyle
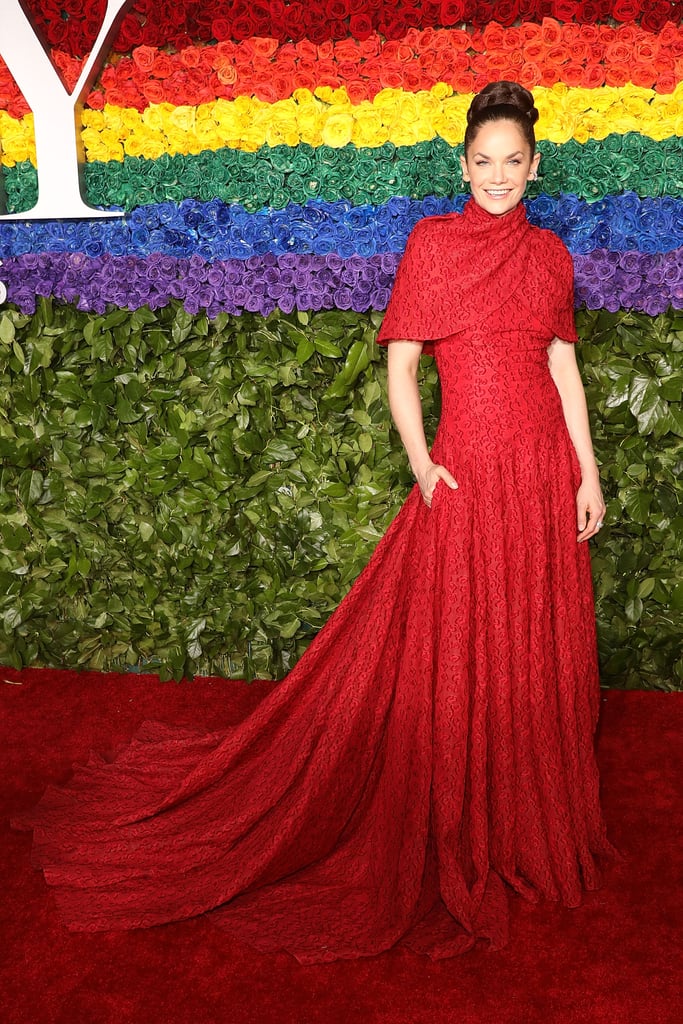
502	101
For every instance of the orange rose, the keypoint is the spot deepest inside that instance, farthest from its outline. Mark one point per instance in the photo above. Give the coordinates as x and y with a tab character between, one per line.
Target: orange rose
571	32
647	49
396	49
389	78
672	37
303	79
643	73
370	47
497	62
347	50
594	76
421	41
144	57
573	74
628	33
69	68
414	78
191	56
227	49
494	36
580	51
529	75
227	73
462	81
551	31
514	39
153	90
618	52
454	38
558	54
163	66
357	90
265	91
305	48
617	74
592	33
326	50
529	32
264	46
666	81
535	50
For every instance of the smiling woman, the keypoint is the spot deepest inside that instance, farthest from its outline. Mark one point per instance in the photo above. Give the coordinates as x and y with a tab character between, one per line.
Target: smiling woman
500	148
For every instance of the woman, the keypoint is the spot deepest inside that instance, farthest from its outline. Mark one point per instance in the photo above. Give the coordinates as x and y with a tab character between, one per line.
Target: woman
433	749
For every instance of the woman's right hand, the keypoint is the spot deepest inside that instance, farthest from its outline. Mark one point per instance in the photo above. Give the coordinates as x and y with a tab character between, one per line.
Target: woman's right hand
429	477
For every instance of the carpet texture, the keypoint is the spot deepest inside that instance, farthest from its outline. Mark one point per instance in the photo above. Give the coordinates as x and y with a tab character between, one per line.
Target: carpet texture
614	960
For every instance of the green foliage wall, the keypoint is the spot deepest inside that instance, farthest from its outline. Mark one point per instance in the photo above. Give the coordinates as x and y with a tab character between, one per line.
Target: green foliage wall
196	496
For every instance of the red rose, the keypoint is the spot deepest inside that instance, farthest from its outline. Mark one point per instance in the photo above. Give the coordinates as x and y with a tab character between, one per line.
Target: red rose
360	26
506	12
565	10
627	10
655	16
337	10
220	29
591	12
395	29
452	12
411	17
483	13
130	34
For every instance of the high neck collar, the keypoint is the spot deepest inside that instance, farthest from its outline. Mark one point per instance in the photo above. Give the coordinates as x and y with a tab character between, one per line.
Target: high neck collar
477	217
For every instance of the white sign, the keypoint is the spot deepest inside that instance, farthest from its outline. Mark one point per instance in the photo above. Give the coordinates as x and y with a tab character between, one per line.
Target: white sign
56	112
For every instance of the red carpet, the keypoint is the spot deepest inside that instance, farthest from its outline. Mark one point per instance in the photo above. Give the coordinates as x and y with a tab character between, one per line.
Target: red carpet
614	960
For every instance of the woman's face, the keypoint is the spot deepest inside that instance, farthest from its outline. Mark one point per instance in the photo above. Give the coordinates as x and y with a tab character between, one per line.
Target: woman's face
498	166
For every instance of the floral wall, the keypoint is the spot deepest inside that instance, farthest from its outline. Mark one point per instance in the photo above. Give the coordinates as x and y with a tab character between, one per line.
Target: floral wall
197	455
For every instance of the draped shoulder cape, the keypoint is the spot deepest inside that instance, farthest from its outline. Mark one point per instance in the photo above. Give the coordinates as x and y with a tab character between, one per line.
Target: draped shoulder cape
458	268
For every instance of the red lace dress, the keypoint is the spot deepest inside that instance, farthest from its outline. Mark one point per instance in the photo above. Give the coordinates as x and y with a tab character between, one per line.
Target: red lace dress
432	752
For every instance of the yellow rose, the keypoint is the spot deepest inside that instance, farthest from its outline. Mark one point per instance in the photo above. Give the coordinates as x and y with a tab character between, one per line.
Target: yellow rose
324	93
228	123
309	117
368	127
338	128
142	144
182	117
441	90
18	140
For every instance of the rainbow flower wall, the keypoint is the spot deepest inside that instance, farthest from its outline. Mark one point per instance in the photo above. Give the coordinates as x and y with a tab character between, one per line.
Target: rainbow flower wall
272	158
268	171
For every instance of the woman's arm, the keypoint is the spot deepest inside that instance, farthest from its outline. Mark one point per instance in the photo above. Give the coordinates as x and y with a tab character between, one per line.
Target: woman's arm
590	505
406	410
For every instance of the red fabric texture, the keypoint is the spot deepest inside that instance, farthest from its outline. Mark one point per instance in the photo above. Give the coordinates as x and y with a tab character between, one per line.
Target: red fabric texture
460	266
433	749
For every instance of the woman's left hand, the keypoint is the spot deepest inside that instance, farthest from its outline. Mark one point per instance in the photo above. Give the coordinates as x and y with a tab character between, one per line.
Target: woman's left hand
590	509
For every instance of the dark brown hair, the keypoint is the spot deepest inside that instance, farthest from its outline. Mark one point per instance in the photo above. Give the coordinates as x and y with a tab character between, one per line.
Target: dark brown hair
502	101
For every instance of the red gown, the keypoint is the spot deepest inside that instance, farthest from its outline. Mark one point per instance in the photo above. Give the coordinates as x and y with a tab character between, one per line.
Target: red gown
432	751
